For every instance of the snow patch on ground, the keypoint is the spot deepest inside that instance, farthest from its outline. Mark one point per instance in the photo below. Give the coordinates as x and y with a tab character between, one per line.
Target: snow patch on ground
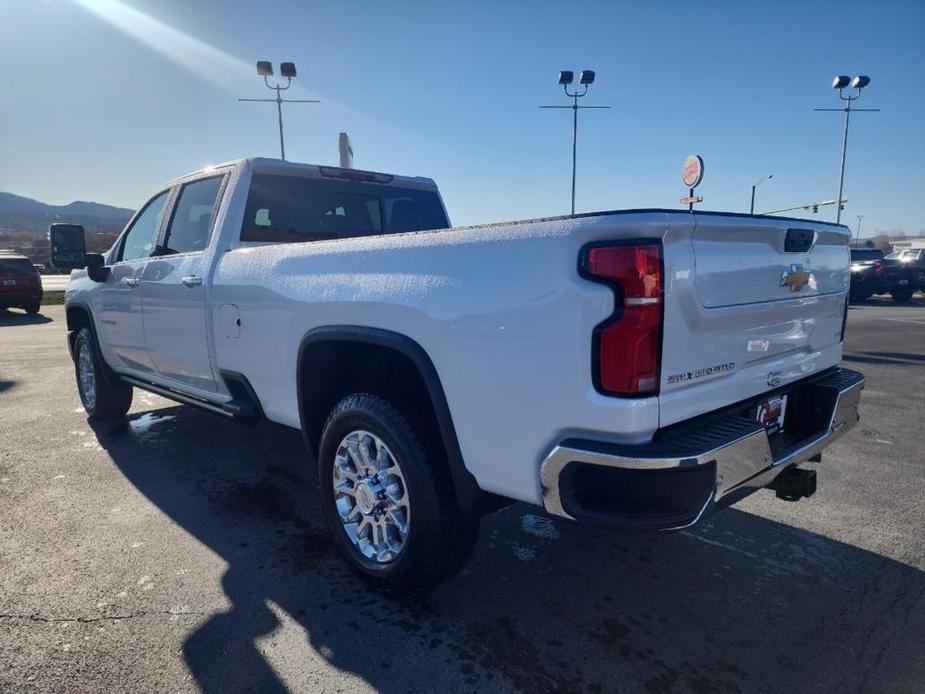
143	424
538	526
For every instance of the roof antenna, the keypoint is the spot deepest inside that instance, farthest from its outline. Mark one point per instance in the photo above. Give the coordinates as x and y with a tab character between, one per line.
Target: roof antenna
346	151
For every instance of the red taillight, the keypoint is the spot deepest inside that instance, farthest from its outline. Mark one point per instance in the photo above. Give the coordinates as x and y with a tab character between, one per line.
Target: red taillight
628	345
878	268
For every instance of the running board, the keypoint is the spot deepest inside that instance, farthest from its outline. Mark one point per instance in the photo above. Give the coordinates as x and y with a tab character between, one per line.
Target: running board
236	409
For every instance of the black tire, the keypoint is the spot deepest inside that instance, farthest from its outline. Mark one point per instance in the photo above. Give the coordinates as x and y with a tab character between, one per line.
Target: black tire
901	296
112	397
32	307
440	538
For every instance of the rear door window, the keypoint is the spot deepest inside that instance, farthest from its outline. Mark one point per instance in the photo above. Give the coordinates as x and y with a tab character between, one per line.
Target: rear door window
191	222
289	209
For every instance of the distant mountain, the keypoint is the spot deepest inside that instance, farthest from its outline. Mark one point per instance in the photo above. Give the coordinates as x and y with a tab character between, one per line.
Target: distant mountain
18	203
18	213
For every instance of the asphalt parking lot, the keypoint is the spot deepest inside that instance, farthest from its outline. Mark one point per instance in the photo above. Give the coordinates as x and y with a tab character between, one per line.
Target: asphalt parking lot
182	552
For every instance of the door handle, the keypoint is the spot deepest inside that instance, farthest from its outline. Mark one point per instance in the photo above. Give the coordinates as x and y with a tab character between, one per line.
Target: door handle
130	281
191	281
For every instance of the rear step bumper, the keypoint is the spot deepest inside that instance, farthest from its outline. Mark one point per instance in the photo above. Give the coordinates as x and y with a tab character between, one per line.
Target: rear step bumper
694	467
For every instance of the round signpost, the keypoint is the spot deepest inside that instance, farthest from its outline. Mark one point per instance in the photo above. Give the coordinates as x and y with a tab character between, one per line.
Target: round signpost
691	176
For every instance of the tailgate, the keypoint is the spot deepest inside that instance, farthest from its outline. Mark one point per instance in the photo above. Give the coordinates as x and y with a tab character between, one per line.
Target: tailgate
752	303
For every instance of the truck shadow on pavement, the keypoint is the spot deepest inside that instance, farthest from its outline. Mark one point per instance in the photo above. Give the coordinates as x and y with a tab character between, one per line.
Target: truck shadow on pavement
740	604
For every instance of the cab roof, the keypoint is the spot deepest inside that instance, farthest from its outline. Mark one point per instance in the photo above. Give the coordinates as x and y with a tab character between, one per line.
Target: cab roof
282	167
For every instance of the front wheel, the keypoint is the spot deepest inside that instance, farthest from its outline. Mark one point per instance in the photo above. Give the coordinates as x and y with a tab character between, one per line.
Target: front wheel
101	398
901	296
389	504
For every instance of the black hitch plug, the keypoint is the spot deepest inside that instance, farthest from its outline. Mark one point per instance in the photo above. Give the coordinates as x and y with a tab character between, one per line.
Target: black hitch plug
794	484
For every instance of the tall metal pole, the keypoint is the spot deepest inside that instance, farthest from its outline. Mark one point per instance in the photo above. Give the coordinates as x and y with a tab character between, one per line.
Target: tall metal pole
840	83
279	113
860	217
264	69
587	77
574	147
844	151
761	180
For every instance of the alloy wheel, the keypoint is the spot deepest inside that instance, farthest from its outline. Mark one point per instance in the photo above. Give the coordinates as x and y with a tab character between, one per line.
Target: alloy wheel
86	375
371	497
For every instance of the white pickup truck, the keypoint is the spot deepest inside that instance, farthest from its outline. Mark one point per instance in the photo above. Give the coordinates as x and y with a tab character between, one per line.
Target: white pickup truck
636	368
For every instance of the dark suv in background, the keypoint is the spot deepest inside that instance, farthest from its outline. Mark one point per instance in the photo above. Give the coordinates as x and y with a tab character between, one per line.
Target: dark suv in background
898	274
866	267
20	283
902	272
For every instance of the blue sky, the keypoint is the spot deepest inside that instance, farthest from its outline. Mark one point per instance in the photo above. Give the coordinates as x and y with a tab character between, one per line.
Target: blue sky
104	100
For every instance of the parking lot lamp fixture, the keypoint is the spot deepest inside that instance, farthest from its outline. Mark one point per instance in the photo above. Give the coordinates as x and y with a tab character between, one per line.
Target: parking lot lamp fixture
751	209
287	70
585	79
840	83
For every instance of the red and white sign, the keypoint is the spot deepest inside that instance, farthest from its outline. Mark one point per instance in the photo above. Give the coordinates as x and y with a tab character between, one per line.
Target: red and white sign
692	173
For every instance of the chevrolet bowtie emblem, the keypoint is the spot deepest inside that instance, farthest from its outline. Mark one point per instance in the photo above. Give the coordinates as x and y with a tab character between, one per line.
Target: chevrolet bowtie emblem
796	278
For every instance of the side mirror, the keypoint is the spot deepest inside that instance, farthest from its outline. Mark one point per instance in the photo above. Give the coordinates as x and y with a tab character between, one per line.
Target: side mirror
68	246
96	267
69	251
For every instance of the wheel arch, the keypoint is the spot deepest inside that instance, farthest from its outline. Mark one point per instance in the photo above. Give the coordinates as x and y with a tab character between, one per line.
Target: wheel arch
322	382
79	315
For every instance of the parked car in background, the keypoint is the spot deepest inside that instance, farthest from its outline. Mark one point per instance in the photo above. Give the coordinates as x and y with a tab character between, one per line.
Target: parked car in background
865	271
865	254
902	272
20	284
898	274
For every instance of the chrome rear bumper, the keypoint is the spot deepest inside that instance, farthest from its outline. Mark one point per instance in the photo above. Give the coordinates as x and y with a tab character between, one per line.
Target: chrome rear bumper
709	462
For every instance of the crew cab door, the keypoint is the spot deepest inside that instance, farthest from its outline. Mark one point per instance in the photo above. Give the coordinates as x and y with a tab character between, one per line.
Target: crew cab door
173	288
119	309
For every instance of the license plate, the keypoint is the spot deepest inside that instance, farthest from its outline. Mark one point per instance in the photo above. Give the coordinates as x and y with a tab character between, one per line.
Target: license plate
904	281
9	283
771	413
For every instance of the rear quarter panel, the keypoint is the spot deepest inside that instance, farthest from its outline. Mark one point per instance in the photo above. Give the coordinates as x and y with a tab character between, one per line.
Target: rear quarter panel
500	310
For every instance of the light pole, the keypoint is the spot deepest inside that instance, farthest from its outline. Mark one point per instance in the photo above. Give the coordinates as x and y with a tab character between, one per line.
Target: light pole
839	83
586	79
287	70
860	217
761	180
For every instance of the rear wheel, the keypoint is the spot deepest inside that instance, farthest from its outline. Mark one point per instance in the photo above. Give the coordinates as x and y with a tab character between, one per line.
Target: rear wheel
901	296
102	398
32	307
389	504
